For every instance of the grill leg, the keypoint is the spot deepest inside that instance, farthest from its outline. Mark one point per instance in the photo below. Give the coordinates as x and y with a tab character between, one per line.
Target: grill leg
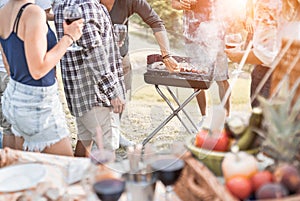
183	110
174	113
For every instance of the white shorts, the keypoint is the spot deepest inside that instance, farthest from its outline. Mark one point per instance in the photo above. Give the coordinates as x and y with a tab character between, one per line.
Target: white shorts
104	118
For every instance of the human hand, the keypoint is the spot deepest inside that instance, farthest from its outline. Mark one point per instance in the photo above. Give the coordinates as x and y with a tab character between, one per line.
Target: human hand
186	4
234	54
249	24
171	64
118	105
74	29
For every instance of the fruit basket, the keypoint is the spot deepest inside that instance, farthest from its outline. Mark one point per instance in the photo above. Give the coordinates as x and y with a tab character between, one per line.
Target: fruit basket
212	159
198	183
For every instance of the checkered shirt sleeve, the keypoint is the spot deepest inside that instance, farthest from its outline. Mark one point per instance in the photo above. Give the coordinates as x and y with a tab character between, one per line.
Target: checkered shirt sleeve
92	76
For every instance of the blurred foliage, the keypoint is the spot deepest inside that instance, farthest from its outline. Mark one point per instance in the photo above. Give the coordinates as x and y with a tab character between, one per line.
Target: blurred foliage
172	19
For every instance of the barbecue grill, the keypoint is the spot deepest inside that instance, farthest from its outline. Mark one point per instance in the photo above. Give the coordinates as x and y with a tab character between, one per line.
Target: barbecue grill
188	77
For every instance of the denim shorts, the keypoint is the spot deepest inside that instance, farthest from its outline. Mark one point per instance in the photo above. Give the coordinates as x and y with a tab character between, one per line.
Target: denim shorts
35	114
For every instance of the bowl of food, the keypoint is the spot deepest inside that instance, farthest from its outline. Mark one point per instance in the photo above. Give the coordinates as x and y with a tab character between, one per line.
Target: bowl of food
211	158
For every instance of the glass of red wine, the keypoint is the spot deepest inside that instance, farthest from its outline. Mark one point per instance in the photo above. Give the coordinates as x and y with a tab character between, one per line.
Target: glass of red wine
168	168
166	163
109	189
71	14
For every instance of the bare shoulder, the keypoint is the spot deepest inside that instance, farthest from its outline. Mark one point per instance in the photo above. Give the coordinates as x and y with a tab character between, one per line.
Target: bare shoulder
34	12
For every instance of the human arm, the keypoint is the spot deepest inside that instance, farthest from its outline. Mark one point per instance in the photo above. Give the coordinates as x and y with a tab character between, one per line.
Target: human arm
34	31
182	4
163	42
266	36
236	56
49	15
151	18
4	60
46	5
249	16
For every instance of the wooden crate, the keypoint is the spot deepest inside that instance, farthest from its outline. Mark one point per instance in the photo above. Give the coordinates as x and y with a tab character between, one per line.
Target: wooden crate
289	65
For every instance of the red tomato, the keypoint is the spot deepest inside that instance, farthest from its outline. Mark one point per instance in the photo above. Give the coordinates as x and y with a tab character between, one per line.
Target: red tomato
240	187
261	178
215	141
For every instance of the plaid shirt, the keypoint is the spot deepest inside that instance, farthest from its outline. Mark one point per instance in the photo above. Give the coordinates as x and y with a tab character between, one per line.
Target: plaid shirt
92	76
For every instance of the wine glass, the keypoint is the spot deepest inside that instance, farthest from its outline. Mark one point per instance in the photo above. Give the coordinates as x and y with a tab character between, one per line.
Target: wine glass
98	170
168	171
121	32
234	41
109	189
71	14
168	168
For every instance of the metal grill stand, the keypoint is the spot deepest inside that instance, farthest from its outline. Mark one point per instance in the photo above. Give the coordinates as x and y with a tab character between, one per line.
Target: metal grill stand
166	79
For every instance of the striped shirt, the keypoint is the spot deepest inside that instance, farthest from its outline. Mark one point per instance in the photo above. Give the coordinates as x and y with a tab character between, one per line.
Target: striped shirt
92	76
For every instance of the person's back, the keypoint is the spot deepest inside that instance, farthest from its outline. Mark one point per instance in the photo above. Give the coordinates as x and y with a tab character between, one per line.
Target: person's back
28	47
15	53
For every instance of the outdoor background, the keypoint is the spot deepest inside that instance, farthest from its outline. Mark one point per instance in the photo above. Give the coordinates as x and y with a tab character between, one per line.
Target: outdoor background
145	109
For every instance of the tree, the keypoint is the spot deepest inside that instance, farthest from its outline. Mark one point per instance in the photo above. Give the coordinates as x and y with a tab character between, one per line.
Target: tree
171	17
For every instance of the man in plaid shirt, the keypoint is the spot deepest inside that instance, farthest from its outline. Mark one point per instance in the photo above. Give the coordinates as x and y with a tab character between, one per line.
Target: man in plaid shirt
93	77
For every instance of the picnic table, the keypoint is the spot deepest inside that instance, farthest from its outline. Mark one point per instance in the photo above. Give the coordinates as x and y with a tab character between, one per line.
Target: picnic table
65	178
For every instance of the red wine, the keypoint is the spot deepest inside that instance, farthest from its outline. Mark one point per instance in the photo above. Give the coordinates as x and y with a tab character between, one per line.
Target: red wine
168	170
70	20
109	189
232	45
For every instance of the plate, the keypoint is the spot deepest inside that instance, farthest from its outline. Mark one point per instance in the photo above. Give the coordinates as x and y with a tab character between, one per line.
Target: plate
19	177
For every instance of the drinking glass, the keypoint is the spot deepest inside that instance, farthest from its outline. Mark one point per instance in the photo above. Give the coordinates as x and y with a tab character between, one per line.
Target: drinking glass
71	14
98	171
109	189
164	160
121	32
168	168
234	41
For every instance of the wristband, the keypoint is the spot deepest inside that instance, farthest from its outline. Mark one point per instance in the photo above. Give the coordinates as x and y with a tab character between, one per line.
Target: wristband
69	36
166	56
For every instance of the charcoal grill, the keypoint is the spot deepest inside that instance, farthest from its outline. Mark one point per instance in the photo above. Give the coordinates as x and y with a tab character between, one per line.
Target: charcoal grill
158	76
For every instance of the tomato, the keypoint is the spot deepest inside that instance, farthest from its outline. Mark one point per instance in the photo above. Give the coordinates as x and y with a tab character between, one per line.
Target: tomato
240	187
261	178
212	141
